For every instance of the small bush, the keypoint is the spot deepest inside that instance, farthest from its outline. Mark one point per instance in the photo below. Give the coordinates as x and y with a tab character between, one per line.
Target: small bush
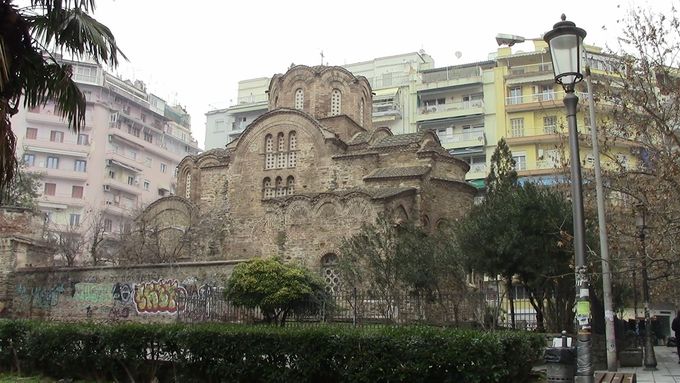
239	353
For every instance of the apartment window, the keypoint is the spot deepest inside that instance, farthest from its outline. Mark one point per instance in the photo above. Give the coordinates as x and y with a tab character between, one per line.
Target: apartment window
147	184
143	117
219	126
50	188
131	180
31	133
520	162
549	124
164	167
80	166
83	139
134	131
336	102
52	163
76	192
148	137
132	154
29	159
74	219
56	136
515	95
107	225
299	99
517	127
546	93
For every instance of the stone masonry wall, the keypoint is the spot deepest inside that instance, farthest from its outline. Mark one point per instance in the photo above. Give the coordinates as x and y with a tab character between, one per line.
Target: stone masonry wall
135	293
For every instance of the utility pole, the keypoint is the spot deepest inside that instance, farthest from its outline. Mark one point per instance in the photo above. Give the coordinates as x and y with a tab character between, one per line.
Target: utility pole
610	335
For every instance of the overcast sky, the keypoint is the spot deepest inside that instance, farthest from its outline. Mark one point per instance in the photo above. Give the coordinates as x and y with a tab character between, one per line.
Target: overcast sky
195	52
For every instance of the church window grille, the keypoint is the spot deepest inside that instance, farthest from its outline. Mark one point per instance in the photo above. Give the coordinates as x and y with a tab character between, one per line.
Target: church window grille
281	142
299	99
280	189
269	152
282	160
330	273
292	141
292	159
290	185
336	98
267	190
187	187
361	112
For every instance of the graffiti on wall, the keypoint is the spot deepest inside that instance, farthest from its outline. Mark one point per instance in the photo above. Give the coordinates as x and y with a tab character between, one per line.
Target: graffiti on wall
92	292
157	296
39	296
122	292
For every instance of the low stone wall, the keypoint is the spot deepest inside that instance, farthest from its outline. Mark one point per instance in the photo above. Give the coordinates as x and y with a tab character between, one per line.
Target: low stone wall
112	293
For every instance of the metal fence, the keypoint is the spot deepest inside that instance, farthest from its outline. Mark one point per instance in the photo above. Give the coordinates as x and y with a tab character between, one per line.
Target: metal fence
361	309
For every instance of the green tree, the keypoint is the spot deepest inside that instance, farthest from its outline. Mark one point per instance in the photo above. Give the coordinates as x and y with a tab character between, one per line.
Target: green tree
29	73
502	173
22	190
525	233
278	289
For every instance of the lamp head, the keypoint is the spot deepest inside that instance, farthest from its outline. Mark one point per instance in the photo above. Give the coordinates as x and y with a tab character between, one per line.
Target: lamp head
566	44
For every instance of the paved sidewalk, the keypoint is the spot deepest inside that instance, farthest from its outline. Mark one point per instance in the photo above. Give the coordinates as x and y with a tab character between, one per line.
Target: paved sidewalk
667	369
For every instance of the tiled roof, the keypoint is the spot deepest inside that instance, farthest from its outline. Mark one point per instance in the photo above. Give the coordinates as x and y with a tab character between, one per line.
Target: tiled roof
389	192
399	140
406	171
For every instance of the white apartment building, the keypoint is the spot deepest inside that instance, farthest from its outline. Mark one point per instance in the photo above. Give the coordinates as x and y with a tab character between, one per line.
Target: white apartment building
390	77
122	159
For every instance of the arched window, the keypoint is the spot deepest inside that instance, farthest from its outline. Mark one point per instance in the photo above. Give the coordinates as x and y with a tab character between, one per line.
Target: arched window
336	98
299	99
267	191
290	185
292	146
281	162
269	152
330	272
187	187
280	189
361	112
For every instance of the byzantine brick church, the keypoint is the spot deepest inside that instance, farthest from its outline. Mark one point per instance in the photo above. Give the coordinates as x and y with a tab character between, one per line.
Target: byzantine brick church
309	172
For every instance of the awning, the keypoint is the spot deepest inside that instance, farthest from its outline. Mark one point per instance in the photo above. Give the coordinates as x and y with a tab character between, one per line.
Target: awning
385	93
31	148
126	166
478	184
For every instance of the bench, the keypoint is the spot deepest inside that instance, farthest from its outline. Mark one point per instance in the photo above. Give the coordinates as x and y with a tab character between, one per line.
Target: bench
615	377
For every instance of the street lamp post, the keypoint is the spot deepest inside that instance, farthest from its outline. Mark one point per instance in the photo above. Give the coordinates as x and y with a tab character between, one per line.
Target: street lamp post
640	222
566	41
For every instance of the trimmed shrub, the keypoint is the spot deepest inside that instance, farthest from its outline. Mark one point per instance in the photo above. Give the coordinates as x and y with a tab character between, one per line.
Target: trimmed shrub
239	353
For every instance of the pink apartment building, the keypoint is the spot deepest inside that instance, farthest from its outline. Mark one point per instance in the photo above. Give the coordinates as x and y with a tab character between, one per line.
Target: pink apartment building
123	159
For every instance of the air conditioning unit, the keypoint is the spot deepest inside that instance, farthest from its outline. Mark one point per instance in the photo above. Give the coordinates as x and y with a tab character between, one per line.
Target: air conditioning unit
107	188
109	162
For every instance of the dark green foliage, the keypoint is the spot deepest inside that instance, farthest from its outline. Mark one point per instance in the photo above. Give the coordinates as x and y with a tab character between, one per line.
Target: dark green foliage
525	232
502	174
239	353
276	288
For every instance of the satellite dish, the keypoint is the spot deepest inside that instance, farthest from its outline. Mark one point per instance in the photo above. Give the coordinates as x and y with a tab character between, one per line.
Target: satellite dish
458	54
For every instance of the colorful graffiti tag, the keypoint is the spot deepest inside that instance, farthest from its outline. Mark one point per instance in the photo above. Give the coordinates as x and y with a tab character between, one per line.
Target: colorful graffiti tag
157	296
92	292
43	297
122	292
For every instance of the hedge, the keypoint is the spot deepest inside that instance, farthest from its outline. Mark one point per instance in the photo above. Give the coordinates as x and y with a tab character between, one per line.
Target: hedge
240	353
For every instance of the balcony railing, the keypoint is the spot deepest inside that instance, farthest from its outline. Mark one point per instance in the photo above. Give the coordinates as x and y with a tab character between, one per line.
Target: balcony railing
478	168
68	144
445	74
471	137
62	199
530	69
386	109
463	105
253	98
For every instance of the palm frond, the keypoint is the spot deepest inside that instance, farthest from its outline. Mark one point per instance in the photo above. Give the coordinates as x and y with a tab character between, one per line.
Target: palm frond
50	5
77	33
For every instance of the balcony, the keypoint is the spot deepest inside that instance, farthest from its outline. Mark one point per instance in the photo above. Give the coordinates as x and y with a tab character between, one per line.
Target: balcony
386	109
448	77
114	184
124	161
123	134
532	70
464	140
524	135
46	116
253	98
68	148
66	174
60	199
116	208
449	110
476	171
